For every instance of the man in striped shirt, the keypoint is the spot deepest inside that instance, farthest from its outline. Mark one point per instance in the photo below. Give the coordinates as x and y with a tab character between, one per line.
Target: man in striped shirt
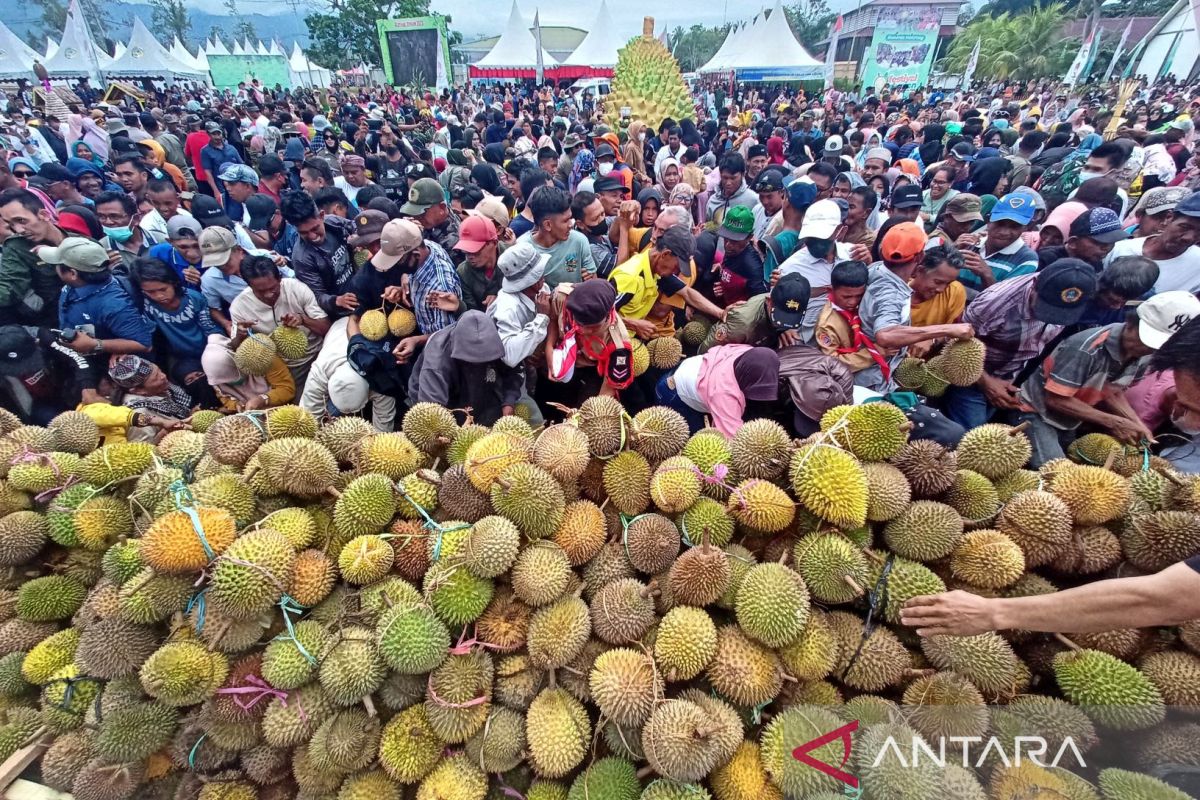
1002	253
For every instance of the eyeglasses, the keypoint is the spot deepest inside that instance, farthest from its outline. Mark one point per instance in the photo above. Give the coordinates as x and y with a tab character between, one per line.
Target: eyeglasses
23	174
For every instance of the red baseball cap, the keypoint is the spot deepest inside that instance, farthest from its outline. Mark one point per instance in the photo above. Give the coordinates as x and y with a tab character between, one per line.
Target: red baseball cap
474	233
903	242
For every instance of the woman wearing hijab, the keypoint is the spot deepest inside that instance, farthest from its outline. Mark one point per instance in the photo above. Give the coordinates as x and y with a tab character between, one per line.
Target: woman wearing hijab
583	169
83	150
457	173
493	154
931	148
691	136
989	176
684	195
1057	227
669	176
731	383
239	391
775	150
633	151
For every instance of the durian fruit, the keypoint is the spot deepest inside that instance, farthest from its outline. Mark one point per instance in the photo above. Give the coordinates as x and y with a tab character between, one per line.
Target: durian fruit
1176	675
49	598
530	497
234	439
929	467
994	450
973	497
680	741
625	686
390	454
986	659
945	704
710	451
695	331
665	352
1098	448
1155	541
255	354
558	632
75	432
430	427
558	731
1114	694
605	423
458	695
627	482
961	362
1039	522
489	457
926	531
888	491
987	559
562	450
401	322
299	466
685	643
1094	495
622	611
763	507
760	449
833	568
608	777
647	80
652	543
186	541
372	324
116	462
1119	784
582	532
290	343
742	670
831	483
252	574
782	735
871	431
881	660
183	673
640	357
700	575
23	534
290	420
659	433
40	472
408	747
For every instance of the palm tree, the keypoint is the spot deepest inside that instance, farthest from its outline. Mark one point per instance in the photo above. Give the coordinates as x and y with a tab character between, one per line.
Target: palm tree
1028	45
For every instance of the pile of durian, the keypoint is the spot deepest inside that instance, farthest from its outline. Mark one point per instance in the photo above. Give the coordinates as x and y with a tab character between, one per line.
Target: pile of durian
604	609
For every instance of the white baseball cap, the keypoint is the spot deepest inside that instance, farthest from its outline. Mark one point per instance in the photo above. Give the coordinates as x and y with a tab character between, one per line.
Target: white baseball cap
821	220
1163	314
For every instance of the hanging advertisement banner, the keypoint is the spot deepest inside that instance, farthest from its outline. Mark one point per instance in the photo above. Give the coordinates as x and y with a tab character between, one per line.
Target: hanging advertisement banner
902	48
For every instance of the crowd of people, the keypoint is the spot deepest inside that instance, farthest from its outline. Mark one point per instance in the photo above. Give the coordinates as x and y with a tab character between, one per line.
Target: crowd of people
817	242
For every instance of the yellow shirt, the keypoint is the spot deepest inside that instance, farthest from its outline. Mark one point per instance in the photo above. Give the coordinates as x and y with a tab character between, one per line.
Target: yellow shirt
833	333
113	421
942	309
637	280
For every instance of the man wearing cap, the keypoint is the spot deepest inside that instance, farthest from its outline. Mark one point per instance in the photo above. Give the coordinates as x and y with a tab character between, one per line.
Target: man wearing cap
265	227
781	245
40	377
886	308
221	281
756	162
240	181
93	304
272	178
772	197
1092	237
959	159
906	202
1085	378
877	162
321	257
571	147
959	216
1001	254
29	289
609	164
1151	211
771	319
650	285
1173	248
522	308
1016	319
816	255
428	208
59	184
462	366
741	272
478	277
123	234
181	251
214	156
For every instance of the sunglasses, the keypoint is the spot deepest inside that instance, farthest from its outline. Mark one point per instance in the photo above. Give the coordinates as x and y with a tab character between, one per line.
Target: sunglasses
23	174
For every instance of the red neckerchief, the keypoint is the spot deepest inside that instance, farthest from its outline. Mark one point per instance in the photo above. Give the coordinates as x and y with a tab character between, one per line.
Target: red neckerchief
861	340
588	345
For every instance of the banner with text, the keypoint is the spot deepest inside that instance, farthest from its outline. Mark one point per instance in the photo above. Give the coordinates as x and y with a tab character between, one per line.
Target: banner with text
902	48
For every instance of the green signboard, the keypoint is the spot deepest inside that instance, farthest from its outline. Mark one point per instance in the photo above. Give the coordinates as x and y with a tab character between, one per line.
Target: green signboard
415	51
902	48
228	71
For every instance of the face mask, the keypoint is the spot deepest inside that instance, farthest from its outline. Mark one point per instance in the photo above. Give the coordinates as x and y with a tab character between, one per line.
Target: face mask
599	229
642	136
119	235
820	248
604	169
1087	176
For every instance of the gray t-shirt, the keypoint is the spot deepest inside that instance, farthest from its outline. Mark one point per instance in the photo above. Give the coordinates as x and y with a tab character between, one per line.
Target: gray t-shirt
569	259
887	303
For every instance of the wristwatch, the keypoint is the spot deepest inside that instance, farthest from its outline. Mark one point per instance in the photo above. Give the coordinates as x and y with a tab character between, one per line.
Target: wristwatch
98	347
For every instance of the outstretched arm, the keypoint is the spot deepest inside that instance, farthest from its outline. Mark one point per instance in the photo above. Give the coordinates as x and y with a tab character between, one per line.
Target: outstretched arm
1168	597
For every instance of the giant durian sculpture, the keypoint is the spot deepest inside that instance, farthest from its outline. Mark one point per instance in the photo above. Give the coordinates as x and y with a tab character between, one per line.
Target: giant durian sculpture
648	82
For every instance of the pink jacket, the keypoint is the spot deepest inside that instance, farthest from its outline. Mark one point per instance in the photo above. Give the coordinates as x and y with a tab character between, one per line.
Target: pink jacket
718	387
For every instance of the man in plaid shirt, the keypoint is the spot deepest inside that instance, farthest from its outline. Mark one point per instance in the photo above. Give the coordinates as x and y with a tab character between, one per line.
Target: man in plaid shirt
1016	319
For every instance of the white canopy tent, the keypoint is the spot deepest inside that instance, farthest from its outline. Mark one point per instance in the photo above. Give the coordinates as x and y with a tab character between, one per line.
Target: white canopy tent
262	49
599	48
17	57
180	52
217	48
772	52
305	72
118	50
237	50
274	49
731	43
51	47
77	55
515	54
146	57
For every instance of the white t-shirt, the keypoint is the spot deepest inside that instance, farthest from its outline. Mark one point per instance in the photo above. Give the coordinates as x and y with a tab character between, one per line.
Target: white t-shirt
351	191
687	383
1179	273
294	298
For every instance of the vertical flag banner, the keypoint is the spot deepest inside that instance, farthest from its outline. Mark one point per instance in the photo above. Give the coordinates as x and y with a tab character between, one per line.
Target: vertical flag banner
1076	68
537	38
831	56
1118	52
1165	68
972	63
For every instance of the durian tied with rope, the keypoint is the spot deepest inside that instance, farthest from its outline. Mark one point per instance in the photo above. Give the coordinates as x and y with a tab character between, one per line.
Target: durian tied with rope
373	324
255	354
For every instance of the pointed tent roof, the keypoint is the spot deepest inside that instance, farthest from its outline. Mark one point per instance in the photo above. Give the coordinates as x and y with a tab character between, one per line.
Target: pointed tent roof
275	49
747	40
218	47
599	48
180	51
51	47
237	49
774	47
516	47
146	56
77	54
719	58
262	49
17	59
118	51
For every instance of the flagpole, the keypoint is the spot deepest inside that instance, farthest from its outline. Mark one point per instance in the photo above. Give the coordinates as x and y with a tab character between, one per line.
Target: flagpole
537	35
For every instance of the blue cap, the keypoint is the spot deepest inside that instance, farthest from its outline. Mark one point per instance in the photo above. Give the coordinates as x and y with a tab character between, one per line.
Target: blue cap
1016	207
1189	206
802	194
237	173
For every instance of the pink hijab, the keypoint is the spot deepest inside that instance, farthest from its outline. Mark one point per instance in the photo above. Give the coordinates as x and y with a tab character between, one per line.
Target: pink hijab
1062	217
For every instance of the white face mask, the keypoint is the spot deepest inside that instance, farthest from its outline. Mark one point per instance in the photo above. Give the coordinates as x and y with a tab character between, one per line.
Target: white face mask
1087	176
642	136
604	168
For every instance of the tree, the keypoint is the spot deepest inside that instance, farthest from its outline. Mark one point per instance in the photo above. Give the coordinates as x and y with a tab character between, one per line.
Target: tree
347	34
242	27
694	47
811	21
54	17
171	18
1028	45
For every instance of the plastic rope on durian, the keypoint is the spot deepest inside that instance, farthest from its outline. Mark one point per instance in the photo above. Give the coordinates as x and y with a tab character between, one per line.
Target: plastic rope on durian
877	600
431	525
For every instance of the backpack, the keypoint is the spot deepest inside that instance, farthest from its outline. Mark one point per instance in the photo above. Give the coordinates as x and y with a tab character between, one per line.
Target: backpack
1058	181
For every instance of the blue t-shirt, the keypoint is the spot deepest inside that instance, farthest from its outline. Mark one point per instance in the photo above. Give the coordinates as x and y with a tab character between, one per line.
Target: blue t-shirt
167	254
185	330
106	310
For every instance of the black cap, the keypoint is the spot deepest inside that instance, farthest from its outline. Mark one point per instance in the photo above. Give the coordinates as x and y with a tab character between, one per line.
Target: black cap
1101	224
605	151
261	208
756	150
209	213
607	184
789	301
769	180
53	172
1063	289
908	196
963	151
270	165
19	353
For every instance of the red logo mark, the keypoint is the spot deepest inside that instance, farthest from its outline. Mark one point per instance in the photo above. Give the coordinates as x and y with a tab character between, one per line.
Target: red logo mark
801	753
